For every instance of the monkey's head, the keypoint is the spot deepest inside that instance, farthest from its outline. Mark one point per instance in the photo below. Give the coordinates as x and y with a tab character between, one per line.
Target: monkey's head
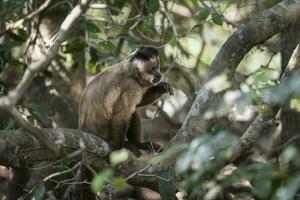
146	63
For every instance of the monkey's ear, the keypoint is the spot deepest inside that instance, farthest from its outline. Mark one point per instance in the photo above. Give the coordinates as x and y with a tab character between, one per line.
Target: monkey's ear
144	54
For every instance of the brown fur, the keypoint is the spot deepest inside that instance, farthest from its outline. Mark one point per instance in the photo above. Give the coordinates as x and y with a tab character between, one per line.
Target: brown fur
108	104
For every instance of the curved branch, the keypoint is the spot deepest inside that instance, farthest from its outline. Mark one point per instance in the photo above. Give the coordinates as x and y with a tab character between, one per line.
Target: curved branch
264	121
257	31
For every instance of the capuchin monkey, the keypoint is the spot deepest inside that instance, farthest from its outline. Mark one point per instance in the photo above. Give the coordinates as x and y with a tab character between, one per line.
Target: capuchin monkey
108	105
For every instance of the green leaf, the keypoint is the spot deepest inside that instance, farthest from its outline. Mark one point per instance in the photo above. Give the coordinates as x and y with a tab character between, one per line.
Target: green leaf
91	27
100	180
133	40
39	192
147	25
119	182
107	46
216	18
166	186
119	156
153	6
203	15
74	44
92	68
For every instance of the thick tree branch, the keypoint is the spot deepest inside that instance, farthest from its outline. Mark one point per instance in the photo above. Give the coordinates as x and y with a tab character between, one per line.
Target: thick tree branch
265	120
40	134
17	147
257	31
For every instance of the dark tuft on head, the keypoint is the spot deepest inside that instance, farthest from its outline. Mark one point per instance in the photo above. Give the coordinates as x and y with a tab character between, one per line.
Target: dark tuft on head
144	54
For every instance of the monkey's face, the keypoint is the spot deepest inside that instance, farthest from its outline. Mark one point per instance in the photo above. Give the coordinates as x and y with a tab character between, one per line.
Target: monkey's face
149	71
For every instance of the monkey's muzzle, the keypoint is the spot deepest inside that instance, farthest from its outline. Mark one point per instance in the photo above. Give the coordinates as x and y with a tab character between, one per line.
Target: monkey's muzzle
156	78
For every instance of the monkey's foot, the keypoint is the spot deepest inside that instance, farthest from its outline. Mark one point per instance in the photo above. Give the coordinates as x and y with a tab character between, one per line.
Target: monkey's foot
151	147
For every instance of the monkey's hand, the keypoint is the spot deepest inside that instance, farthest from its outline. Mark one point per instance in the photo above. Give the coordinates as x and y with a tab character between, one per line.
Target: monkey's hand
165	87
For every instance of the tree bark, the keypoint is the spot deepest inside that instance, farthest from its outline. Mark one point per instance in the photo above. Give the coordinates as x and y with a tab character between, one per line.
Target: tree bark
290	118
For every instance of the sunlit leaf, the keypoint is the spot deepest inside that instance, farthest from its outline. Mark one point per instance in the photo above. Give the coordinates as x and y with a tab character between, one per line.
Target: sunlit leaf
92	68
119	182
100	180
118	156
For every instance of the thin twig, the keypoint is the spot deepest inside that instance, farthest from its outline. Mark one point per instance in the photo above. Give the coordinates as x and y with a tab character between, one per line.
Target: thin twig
52	176
137	172
26	18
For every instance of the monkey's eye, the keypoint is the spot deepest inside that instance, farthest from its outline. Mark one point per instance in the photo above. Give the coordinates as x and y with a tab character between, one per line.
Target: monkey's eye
154	68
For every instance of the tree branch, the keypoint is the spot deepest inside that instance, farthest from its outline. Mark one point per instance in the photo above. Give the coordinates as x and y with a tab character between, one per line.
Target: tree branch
257	31
265	120
18	147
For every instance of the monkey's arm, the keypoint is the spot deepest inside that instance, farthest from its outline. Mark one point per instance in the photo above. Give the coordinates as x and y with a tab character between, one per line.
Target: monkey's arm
155	92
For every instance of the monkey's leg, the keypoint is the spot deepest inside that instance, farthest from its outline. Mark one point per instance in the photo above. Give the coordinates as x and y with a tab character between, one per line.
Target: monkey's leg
155	92
118	129
134	135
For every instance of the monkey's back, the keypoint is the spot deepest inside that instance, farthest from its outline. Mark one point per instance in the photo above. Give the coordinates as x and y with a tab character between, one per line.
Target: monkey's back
110	93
